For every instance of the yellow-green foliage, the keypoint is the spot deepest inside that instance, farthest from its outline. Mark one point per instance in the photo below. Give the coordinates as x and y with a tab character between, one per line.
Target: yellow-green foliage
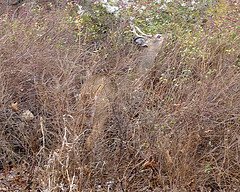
218	12
189	25
94	24
196	29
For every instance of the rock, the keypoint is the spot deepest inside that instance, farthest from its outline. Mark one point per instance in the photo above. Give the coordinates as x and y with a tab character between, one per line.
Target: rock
27	116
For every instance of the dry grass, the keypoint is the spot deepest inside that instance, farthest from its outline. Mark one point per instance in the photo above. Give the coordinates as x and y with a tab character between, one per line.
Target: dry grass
181	133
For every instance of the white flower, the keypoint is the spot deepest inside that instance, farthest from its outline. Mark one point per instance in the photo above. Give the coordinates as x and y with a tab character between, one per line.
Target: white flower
183	4
80	10
114	1
163	7
192	8
143	7
111	9
193	2
103	1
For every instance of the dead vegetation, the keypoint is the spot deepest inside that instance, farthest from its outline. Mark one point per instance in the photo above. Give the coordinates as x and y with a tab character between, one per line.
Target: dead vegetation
179	132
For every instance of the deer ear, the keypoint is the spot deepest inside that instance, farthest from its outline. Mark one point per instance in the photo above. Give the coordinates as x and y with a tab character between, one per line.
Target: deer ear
140	41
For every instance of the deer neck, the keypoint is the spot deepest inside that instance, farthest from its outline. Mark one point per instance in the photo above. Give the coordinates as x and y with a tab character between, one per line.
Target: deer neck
146	61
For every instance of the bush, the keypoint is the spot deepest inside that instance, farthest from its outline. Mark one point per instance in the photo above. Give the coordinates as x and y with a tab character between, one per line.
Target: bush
182	136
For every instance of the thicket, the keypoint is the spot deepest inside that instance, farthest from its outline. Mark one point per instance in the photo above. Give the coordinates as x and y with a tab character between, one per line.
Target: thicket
183	136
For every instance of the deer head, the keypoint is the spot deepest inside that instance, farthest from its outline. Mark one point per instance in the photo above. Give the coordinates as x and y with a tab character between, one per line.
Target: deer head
151	44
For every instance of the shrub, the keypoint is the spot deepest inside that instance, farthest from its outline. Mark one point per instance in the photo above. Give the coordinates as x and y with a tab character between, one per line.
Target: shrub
182	136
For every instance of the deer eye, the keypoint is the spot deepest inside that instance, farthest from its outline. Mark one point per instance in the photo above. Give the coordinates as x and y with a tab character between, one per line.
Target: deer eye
158	36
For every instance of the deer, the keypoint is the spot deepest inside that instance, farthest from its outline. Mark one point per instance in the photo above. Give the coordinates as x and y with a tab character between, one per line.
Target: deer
99	91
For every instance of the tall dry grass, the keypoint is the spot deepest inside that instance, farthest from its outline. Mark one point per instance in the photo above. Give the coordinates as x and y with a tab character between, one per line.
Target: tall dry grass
179	133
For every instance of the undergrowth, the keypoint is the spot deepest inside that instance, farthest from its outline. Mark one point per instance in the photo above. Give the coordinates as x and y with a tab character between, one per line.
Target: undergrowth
183	135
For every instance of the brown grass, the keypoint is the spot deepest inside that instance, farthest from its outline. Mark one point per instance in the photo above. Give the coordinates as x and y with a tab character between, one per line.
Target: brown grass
182	134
